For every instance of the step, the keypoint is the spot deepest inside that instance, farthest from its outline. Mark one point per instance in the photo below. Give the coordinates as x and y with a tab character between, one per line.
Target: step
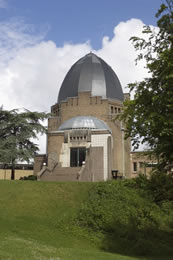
61	174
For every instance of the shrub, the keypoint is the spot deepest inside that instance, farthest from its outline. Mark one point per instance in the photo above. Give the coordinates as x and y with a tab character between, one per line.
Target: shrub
30	178
111	203
158	187
129	220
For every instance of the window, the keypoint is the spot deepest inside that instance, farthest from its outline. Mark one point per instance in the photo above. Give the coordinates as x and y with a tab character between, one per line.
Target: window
112	110
77	156
135	166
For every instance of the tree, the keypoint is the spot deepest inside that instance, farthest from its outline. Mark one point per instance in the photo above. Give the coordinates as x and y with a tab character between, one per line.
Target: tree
149	116
17	129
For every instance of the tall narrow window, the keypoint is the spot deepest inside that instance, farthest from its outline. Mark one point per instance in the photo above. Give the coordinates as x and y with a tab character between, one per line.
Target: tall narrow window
135	166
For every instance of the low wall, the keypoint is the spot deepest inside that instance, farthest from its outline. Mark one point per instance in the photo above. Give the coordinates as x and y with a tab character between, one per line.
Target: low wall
5	174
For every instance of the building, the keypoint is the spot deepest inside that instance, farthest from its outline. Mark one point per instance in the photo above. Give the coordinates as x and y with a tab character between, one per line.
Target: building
85	140
142	163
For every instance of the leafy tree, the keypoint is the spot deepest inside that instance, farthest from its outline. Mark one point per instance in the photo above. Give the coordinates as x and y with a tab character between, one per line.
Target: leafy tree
17	129
149	116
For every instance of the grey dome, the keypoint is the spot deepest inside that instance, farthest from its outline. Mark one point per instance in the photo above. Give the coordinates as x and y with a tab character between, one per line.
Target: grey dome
84	122
91	73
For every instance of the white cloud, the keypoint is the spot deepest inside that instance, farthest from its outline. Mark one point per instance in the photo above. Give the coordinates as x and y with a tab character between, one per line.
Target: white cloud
32	70
32	79
15	35
120	54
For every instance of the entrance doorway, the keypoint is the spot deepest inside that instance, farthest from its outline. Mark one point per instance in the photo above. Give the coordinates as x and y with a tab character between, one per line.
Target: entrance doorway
77	156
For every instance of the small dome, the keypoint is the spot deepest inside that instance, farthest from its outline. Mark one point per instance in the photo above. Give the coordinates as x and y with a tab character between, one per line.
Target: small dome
93	74
84	122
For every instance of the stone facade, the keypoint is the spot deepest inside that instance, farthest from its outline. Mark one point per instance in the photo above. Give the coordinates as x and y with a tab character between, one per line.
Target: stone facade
91	92
104	109
118	150
142	163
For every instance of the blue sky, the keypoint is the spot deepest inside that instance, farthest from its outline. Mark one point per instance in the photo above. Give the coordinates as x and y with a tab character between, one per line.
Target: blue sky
78	20
41	39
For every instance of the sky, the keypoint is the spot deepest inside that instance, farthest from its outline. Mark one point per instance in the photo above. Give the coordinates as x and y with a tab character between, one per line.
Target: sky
41	39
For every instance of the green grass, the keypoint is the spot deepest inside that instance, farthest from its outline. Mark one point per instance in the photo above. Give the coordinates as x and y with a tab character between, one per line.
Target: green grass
37	222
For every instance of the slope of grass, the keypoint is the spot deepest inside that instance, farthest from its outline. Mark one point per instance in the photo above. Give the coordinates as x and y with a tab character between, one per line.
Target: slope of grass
32	214
37	221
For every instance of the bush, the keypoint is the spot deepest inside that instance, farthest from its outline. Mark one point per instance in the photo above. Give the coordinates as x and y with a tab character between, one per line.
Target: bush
128	220
30	178
158	187
113	202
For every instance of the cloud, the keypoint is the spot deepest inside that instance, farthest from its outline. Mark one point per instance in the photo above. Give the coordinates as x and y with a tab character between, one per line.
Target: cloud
119	52
32	79
32	70
15	35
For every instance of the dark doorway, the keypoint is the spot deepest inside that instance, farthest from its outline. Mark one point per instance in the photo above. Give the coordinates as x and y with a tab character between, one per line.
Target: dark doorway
77	156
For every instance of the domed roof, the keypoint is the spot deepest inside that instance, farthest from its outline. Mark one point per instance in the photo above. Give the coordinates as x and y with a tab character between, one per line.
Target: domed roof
91	73
84	122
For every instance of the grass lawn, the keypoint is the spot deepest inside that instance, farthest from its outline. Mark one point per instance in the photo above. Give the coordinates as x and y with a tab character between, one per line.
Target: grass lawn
36	222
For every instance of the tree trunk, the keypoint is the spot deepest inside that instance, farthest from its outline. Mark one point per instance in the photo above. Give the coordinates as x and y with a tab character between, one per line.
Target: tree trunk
13	170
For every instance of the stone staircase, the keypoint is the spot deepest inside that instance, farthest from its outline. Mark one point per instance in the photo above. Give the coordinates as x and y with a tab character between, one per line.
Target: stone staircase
60	174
